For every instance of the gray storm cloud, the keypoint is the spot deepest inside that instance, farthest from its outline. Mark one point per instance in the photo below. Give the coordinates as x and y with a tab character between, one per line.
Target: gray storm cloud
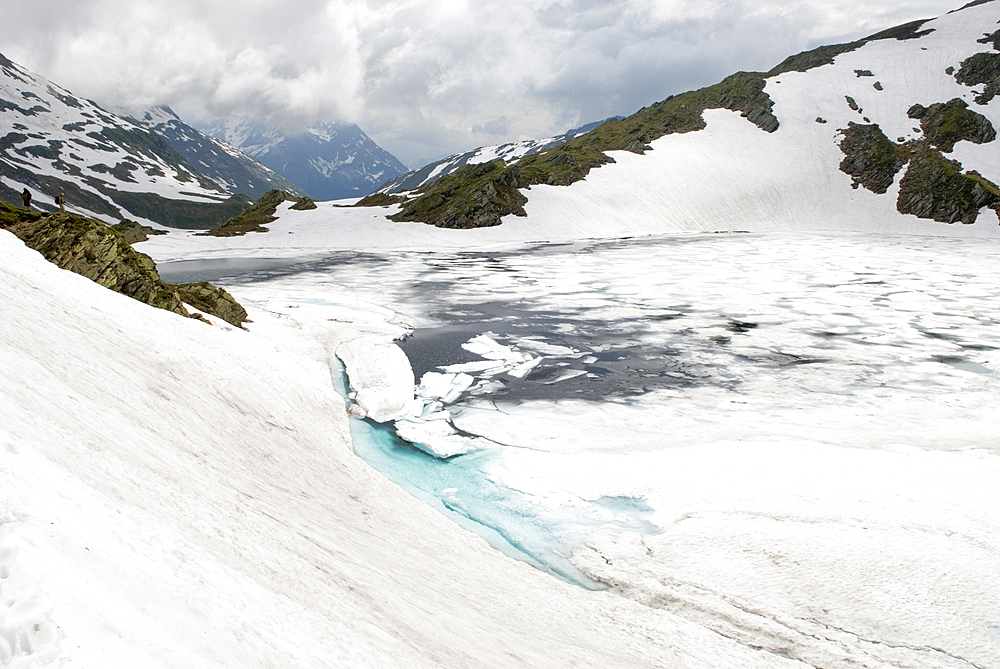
422	78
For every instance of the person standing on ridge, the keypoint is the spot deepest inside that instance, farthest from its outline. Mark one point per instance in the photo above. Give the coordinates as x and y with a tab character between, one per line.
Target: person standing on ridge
61	201
26	198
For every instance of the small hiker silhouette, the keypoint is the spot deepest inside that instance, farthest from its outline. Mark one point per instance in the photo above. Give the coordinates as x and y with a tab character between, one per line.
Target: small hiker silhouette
26	198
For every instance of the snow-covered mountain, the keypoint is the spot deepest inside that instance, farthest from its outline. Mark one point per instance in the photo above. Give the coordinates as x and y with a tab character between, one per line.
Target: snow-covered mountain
328	161
873	134
53	142
510	151
222	162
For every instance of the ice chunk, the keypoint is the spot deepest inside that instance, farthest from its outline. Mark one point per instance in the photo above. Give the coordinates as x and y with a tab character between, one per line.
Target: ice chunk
438	437
380	375
488	348
444	387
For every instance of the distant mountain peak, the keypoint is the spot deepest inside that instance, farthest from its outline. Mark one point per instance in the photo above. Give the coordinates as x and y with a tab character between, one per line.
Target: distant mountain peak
330	160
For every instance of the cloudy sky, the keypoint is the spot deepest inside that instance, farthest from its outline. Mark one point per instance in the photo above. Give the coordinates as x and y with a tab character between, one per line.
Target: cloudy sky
423	78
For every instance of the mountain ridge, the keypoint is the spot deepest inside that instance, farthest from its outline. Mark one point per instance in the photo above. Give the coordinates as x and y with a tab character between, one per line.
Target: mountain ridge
474	196
53	142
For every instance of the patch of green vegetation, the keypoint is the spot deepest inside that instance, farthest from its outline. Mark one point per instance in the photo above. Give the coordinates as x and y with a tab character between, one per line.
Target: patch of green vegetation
946	123
934	187
981	69
872	159
12	215
261	212
480	195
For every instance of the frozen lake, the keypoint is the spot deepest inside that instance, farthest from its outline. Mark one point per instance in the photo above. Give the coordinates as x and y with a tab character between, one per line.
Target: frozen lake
778	420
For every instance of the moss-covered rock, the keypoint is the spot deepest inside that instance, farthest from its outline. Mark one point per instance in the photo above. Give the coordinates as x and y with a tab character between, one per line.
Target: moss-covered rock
133	232
12	215
304	203
946	123
981	69
94	250
260	213
872	159
473	196
935	187
102	254
211	300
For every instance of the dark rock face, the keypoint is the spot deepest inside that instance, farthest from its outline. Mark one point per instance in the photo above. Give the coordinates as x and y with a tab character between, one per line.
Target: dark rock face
934	187
944	124
212	300
872	159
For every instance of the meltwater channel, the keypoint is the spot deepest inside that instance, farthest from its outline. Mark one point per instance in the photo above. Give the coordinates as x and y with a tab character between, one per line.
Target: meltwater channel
732	328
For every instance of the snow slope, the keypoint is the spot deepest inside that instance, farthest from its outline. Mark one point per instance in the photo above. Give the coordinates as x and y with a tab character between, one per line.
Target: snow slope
179	495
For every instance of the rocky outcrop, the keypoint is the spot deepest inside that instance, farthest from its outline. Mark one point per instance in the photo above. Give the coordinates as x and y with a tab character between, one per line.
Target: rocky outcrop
99	252
133	232
872	159
935	187
260	213
480	195
473	196
211	300
981	69
94	250
946	123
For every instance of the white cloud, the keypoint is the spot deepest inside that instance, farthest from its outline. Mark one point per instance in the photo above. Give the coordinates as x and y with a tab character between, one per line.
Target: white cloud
421	76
